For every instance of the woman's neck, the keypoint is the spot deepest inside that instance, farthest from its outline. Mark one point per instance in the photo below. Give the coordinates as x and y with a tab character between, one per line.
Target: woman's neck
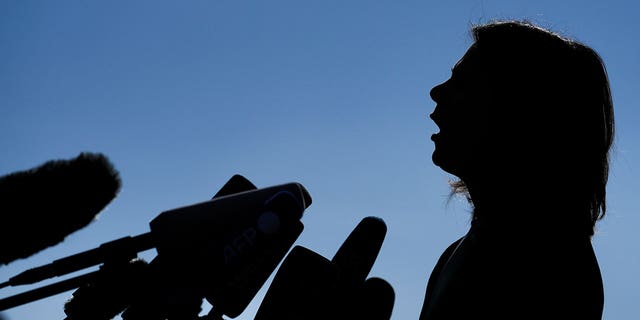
518	211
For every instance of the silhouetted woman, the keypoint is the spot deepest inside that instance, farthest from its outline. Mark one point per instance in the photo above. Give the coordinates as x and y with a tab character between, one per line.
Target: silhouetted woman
526	123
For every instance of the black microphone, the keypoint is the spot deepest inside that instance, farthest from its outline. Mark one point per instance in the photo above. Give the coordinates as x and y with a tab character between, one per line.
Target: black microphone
233	278
230	254
236	184
359	251
376	300
223	249
309	286
42	205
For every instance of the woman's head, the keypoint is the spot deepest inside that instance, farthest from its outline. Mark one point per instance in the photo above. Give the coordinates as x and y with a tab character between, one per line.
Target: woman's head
528	107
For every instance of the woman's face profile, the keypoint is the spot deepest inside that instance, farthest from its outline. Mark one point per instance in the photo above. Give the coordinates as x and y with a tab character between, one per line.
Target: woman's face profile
460	114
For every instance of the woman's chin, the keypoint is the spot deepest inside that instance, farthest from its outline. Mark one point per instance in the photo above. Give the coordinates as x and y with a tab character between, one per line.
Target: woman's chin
441	160
438	159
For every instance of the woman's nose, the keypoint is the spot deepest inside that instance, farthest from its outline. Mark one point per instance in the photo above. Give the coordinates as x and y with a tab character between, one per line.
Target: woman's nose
436	92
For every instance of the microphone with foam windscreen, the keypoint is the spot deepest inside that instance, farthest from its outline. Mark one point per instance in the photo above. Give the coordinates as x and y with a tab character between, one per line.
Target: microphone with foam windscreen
39	207
309	286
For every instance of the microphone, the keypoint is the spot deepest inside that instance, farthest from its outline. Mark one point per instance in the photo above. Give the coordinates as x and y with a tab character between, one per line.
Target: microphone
237	184
249	258
359	251
240	245
309	286
223	249
42	205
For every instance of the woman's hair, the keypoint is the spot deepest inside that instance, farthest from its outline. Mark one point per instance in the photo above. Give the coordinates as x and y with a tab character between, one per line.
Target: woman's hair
555	93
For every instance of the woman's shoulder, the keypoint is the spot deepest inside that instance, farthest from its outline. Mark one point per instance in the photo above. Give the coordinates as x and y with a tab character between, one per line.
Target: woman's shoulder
442	261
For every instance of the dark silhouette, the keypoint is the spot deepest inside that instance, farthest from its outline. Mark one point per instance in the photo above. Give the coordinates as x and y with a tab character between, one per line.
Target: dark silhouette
310	286
526	124
222	250
42	205
39	207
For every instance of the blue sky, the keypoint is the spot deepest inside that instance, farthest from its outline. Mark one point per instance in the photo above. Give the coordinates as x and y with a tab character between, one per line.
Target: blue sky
181	95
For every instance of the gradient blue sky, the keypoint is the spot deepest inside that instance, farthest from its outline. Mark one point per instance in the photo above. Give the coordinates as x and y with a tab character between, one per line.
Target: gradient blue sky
181	95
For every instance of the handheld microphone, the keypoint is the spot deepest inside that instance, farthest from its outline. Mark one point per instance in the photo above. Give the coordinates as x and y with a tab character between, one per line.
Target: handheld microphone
359	251
230	254
309	286
42	205
223	249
